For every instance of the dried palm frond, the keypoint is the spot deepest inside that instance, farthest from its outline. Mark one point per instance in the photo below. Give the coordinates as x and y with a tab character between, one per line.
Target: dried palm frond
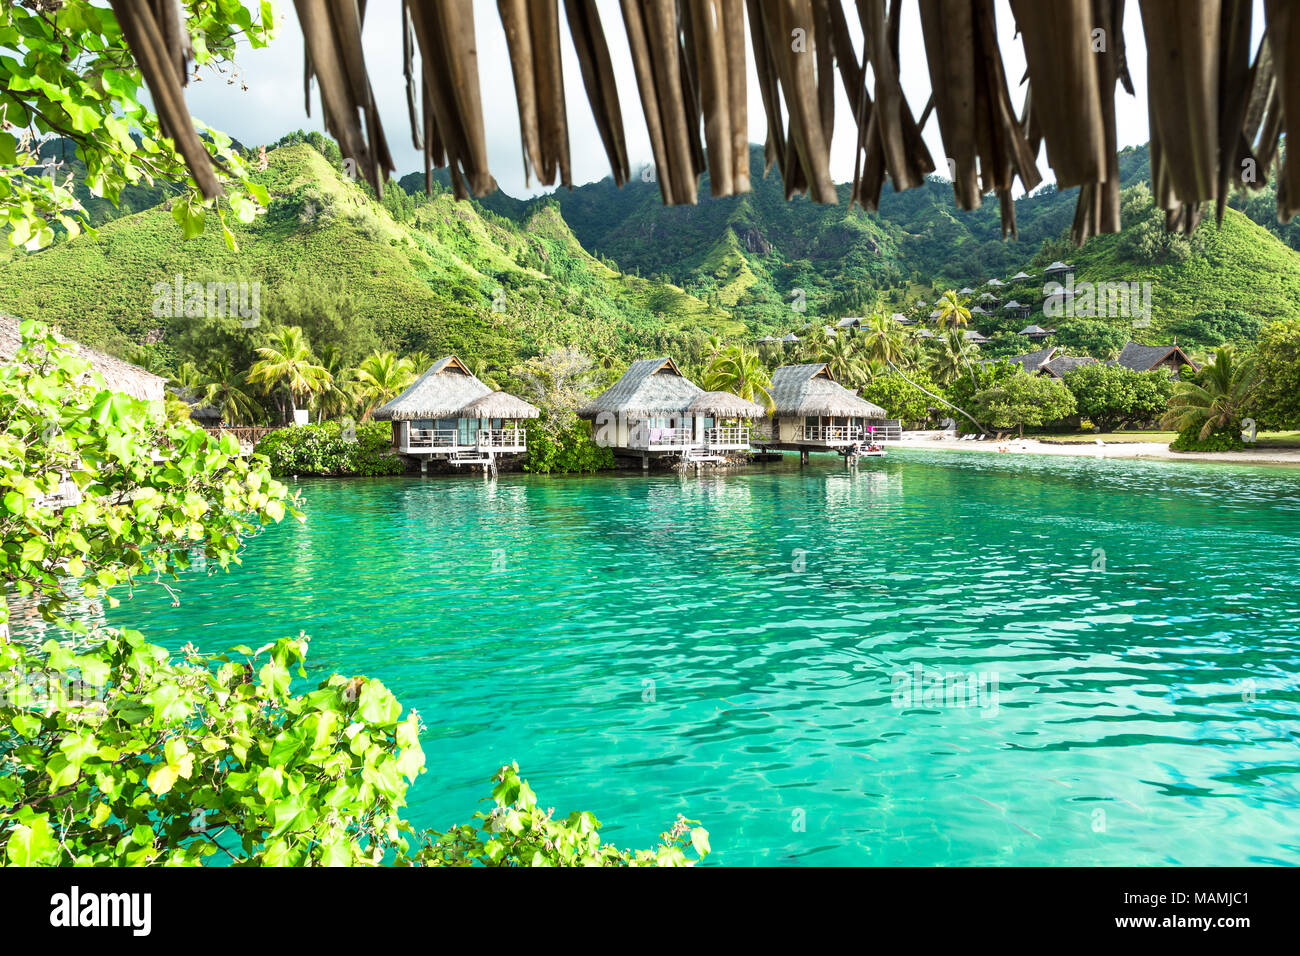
1097	210
453	112
898	137
667	97
1064	103
1283	31
333	55
598	79
1183	88
986	145
1217	116
786	45
155	31
533	38
715	33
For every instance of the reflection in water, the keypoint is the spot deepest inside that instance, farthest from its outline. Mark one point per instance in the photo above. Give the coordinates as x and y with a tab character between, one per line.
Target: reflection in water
1147	711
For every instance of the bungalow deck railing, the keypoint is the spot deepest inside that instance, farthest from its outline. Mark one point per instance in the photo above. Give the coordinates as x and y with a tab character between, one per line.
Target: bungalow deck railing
500	438
727	436
646	437
828	433
434	438
891	430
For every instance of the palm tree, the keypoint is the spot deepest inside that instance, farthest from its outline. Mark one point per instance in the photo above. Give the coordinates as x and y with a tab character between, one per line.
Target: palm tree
381	376
842	360
420	362
953	312
955	353
287	360
188	376
713	347
480	369
338	397
222	386
742	373
883	340
1216	399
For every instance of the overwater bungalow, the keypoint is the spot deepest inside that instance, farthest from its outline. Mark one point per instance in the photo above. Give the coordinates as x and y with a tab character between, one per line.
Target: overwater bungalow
813	412
655	411
447	413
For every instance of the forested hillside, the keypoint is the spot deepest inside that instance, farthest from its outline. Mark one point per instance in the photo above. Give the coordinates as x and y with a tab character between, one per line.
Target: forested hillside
618	274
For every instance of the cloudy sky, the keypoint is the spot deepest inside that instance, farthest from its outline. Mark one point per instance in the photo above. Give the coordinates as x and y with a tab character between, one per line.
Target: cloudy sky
273	103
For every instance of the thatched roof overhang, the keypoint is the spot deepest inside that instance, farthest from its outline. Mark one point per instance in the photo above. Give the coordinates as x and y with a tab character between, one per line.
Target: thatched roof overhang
1216	105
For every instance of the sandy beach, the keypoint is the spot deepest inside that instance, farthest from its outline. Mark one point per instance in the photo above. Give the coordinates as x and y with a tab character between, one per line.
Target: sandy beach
930	441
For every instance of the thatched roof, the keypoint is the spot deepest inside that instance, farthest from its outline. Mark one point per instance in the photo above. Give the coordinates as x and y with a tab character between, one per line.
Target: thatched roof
649	387
1143	358
1021	277
1061	364
1033	361
799	390
498	405
971	335
1215	106
1033	330
724	405
118	376
441	392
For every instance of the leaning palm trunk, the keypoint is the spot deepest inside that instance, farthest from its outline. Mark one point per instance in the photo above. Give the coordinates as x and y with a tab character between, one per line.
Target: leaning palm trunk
930	394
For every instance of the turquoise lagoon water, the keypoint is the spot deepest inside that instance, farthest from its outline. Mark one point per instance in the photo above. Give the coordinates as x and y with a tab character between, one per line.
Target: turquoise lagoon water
740	649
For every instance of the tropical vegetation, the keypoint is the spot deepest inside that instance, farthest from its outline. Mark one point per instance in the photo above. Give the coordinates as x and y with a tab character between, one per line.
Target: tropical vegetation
116	752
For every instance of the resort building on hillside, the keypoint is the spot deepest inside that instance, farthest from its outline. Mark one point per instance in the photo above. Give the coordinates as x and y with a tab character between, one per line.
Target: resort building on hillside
1035	333
1058	271
655	411
447	413
1048	362
1144	358
1017	309
813	412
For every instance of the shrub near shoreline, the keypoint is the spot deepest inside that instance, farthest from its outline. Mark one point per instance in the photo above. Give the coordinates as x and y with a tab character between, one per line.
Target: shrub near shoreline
331	449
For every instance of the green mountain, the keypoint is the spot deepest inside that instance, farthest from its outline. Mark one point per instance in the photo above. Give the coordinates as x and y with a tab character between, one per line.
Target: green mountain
414	273
616	273
749	253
